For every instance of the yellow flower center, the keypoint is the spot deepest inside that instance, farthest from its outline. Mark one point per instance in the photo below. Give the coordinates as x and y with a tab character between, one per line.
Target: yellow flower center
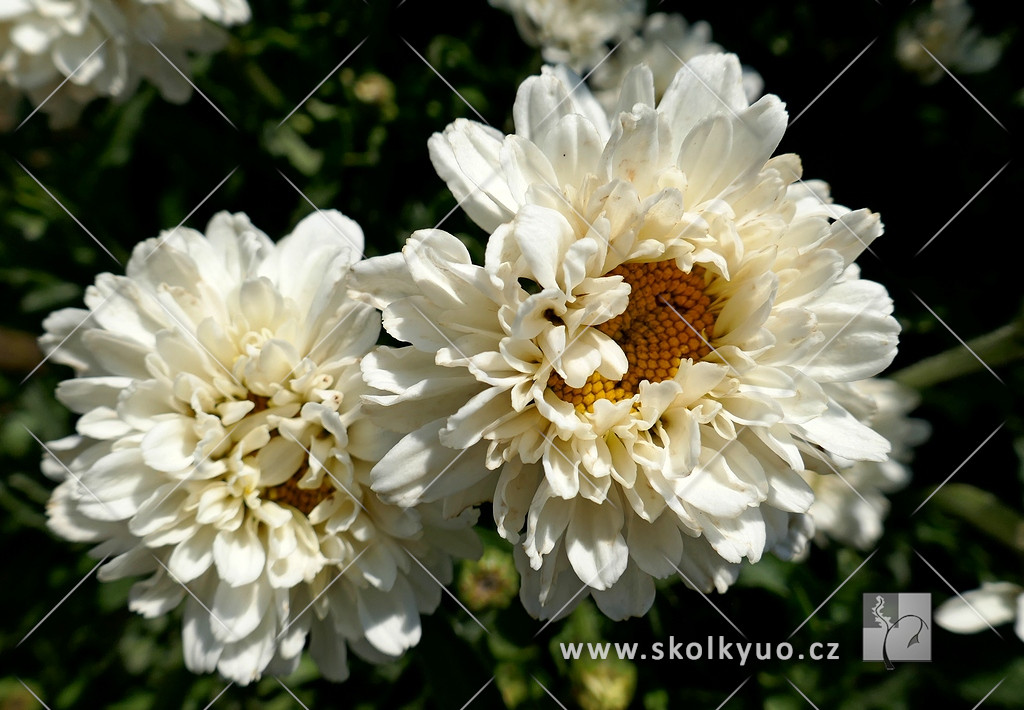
302	499
289	493
668	319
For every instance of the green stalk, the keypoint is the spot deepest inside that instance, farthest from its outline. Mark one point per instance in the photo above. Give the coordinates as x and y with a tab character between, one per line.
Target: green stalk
984	511
1001	346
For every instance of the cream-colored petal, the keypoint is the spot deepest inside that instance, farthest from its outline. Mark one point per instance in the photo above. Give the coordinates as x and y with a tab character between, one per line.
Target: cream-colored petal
994	603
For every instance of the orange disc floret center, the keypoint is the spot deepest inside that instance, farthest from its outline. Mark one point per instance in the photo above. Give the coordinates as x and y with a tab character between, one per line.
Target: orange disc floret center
668	319
302	499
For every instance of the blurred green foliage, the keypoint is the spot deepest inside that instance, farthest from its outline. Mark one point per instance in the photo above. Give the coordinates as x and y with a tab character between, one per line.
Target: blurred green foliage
358	143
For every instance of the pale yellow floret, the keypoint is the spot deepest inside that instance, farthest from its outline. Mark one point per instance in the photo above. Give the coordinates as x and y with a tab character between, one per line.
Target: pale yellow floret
668	319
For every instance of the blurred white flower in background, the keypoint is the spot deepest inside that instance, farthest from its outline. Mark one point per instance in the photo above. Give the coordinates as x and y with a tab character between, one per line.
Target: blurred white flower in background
574	32
222	446
102	48
944	31
665	42
993	604
849	500
654	349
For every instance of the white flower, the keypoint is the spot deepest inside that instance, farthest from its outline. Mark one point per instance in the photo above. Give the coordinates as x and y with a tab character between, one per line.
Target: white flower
993	604
943	30
849	498
640	370
664	44
104	47
573	32
221	446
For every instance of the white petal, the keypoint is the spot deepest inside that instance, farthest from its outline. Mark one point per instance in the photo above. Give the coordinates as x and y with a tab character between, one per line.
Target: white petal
841	434
852	233
13	8
524	165
245	660
237	611
551	593
594	544
378	566
466	157
631	595
171	444
390	619
574	148
637	88
637	149
136	561
540	102
82	394
860	334
239	554
155	596
419	469
993	604
706	86
788	491
102	423
119	354
279	460
382	280
202	649
1019	625
117	486
543	235
328	648
193	555
654	547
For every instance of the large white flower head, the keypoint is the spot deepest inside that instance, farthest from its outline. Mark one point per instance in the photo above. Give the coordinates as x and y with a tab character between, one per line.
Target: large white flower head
942	34
573	32
102	48
664	44
640	370
849	500
222	451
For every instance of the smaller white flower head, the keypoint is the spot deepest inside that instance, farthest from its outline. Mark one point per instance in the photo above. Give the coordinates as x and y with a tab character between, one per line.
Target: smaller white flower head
573	32
641	369
993	604
222	451
849	497
665	43
102	48
944	31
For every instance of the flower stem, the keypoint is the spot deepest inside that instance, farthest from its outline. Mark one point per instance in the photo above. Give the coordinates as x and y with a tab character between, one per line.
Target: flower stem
984	511
999	347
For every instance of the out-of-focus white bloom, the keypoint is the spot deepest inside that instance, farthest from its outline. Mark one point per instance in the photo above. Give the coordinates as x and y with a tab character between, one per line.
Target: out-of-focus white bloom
665	43
849	498
574	32
993	604
943	29
102	48
644	364
222	451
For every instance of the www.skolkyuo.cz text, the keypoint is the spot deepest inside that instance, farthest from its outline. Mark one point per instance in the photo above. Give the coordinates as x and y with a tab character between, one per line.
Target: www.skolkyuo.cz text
714	648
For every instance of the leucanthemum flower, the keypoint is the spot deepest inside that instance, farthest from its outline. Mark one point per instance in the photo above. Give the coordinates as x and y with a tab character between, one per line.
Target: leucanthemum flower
944	30
104	47
222	451
573	32
640	371
850	501
993	604
665	42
